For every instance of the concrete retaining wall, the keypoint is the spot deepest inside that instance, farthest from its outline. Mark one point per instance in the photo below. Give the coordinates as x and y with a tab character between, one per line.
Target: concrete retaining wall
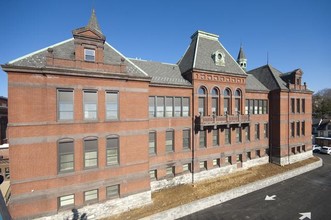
231	194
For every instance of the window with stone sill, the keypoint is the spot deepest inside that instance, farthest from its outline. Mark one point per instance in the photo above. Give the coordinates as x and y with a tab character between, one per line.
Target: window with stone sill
89	55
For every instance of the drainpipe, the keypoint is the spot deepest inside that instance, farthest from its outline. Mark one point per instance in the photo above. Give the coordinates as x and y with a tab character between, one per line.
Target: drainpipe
193	133
288	121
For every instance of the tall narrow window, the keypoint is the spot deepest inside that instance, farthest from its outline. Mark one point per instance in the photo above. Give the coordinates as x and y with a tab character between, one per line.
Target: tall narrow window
292	129
202	101
238	135
111	105
186	107
246	106
170	141
251	106
260	106
265	107
90	153
112	151
292	105
303	127
65	104
151	107
186	138
298	128
66	155
256	107
90	105
227	134
237	100
152	143
227	103
257	131
202	140
215	101
169	107
303	104
160	107
89	55
216	137
298	105
248	133
178	105
266	130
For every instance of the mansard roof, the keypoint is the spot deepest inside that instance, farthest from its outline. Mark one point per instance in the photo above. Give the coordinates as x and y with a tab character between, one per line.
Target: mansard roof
66	49
199	55
269	77
253	84
162	73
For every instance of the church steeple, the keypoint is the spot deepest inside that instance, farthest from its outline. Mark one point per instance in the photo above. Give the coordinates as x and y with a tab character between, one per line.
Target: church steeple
93	22
241	60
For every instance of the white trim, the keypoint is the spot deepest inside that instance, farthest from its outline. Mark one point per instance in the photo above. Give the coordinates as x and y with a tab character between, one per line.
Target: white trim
38	51
126	58
196	51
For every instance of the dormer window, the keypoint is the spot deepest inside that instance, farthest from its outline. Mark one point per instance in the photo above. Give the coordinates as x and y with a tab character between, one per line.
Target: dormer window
218	58
89	55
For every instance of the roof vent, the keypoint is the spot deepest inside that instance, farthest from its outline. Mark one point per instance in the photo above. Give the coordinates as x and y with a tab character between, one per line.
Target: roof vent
219	58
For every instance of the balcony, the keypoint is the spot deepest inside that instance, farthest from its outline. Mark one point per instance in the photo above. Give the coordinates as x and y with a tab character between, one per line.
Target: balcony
214	120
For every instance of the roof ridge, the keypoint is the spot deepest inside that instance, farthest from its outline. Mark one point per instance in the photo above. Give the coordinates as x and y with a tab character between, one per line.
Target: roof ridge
38	51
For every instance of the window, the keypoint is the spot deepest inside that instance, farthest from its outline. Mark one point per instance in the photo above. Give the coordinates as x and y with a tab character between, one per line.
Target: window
238	135
152	175
239	158
303	105
65	105
293	150
227	134
170	171
246	106
178	104
186	167
216	137
203	140
89	55
248	155
298	128
229	159
169	107
292	105
214	101
68	200
203	165
265	107
202	101
152	143
292	129
66	155
186	107
303	128
257	131
256	107
91	153
113	191
248	133
237	100
227	98
112	151
266	130
90	105
298	105
7	173
160	107
112	105
186	139
151	107
170	141
251	106
91	195
258	153
260	106
216	162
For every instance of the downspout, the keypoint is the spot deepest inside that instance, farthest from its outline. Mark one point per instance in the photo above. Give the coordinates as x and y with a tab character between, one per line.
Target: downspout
193	133
288	122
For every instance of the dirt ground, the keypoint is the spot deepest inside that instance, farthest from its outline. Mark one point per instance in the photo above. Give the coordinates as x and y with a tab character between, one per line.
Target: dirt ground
182	194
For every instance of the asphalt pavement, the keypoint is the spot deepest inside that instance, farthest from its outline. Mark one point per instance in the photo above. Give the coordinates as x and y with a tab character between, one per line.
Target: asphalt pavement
307	196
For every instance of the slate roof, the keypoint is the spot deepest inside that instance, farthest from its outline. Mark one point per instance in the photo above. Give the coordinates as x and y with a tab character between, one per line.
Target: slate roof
66	49
254	85
269	77
162	73
199	55
241	54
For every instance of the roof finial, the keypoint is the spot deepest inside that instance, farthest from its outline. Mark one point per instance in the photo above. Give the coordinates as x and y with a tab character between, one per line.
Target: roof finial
93	22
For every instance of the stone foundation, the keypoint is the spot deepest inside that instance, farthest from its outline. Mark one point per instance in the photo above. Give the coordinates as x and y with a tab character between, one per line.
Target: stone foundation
292	158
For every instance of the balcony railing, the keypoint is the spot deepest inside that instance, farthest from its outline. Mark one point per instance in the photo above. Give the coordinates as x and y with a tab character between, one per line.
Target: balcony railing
214	120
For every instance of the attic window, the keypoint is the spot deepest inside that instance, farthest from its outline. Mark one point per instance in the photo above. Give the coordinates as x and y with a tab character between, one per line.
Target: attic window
218	58
89	55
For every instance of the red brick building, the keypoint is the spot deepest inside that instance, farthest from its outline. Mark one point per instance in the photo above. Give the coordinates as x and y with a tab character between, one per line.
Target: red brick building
104	131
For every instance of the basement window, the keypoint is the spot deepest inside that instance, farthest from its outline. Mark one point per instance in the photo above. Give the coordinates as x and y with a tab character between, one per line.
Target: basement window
89	55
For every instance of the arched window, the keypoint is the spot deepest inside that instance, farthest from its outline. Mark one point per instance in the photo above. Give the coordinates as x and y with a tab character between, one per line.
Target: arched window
237	101
202	100
215	101
227	101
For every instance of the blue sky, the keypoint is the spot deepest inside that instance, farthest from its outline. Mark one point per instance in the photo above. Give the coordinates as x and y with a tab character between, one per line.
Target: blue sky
295	33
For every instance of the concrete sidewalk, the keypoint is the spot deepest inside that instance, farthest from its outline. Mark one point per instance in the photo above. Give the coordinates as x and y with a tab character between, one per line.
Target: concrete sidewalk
217	199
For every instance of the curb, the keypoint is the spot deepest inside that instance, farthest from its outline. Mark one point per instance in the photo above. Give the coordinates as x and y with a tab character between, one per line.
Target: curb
217	199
